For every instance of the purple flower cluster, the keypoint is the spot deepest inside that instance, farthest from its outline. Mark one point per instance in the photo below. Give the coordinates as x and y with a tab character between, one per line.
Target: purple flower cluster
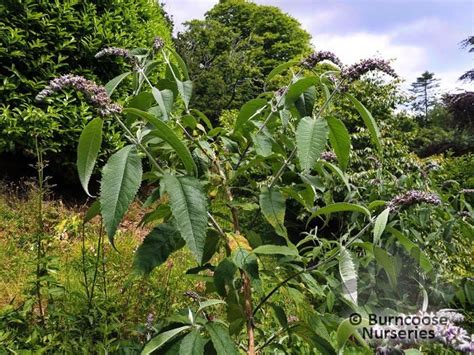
413	197
355	71
95	94
328	156
317	57
158	43
114	51
193	295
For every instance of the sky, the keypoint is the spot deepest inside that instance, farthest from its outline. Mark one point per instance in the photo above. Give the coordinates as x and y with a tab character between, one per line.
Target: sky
417	35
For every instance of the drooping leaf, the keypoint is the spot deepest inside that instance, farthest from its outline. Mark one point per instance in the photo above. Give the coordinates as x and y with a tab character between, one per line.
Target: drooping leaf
162	338
181	63
209	303
311	337
305	103
341	207
192	344
276	249
263	144
338	172
189	207
388	263
224	275
168	135
297	88
94	210
380	223
185	89
346	329
112	84
272	203
164	99
202	117
121	179
87	151
311	138
340	140
368	120
157	246
221	339
248	110
279	69
348	275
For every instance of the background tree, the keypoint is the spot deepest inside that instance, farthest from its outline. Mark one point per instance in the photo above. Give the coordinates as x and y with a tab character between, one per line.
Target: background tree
468	43
232	50
424	91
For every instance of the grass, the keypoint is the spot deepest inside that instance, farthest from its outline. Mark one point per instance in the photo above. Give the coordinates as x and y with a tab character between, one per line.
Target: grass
119	293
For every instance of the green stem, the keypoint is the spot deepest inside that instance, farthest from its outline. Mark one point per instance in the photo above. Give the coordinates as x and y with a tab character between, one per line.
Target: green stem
39	246
309	269
96	264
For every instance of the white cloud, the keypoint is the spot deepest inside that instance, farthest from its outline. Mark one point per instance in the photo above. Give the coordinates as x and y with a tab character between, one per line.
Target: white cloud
185	10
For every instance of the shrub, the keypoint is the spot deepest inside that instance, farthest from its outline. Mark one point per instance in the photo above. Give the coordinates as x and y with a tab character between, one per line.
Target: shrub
42	39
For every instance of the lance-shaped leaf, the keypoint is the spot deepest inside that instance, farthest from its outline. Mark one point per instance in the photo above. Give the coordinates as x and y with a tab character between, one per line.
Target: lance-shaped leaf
340	140
279	69
348	275
121	179
221	339
164	99
380	224
163	338
181	63
189	207
272	203
112	84
168	135
299	87
368	120
87	151
185	89
248	110
341	207
192	344
311	138
157	247
389	264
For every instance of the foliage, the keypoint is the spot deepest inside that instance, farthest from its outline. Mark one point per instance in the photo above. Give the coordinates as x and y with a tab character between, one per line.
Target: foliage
42	39
231	52
424	92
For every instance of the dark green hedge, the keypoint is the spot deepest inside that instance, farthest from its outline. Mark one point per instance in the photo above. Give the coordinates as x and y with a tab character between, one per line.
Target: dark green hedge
41	39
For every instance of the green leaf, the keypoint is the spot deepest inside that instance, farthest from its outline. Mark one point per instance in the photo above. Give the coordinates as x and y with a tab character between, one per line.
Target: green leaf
221	339
279	69
162	338
157	246
380	224
192	344
224	275
87	151
189	207
341	207
164	99
348	275
121	179
209	303
346	329
313	338
185	89
248	110
388	263
263	144
368	120
299	87
272	203
305	103
311	137
112	84
338	172
181	63
202	117
340	141
168	135
276	249
94	210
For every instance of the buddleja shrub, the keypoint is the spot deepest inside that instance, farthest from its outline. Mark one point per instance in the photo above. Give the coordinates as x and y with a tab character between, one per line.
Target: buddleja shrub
214	187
